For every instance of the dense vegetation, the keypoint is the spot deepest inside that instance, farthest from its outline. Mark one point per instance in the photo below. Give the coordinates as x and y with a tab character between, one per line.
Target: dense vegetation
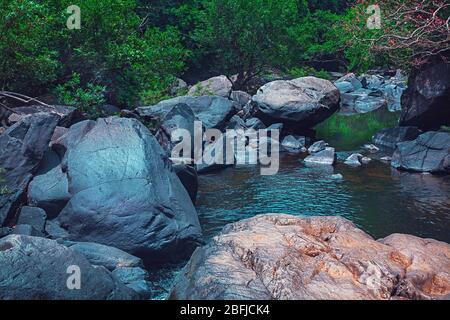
130	51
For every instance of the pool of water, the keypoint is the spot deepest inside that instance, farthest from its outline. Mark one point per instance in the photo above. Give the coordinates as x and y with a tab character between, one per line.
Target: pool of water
378	199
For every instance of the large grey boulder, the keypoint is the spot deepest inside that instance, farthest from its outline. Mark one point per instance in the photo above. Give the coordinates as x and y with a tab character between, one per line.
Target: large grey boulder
425	103
282	257
430	152
22	148
217	86
213	111
39	269
299	104
391	136
125	194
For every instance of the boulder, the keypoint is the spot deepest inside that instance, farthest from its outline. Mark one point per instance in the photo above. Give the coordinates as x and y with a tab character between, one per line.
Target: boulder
430	152
425	104
179	85
254	123
324	157
236	123
216	155
101	255
362	101
282	257
50	191
354	160
67	115
299	104
241	98
125	194
54	230
39	269
292	144
391	136
352	79
189	178
136	279
22	148
180	116
213	111
35	217
317	147
217	86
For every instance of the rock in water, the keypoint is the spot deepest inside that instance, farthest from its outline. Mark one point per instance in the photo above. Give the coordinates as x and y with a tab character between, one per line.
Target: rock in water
354	160
213	111
299	104
292	258
39	269
425	104
324	157
430	152
390	137
22	148
125	194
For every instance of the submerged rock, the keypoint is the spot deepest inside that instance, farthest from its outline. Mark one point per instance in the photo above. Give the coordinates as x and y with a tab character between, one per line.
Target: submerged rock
326	258
430	152
40	269
299	104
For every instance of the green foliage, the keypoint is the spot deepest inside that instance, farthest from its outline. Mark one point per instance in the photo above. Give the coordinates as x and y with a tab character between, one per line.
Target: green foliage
298	72
27	62
246	36
110	50
86	99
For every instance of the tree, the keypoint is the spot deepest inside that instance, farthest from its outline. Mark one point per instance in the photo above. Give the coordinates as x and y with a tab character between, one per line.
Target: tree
412	31
246	36
27	61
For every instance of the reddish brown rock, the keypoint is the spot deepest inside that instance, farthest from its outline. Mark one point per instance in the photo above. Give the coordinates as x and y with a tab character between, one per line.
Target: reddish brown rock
287	257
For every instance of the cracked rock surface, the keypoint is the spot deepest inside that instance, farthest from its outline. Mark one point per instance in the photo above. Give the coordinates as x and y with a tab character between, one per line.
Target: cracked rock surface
287	257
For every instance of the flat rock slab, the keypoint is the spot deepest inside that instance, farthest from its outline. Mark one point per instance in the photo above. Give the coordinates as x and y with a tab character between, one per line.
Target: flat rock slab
286	257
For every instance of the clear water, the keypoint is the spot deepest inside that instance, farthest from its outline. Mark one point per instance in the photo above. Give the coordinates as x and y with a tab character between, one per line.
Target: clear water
378	199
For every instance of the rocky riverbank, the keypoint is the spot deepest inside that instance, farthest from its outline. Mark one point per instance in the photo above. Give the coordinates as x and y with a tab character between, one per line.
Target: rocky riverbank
106	196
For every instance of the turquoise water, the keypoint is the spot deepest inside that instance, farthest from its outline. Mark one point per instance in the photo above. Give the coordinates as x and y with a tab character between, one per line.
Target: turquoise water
378	199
